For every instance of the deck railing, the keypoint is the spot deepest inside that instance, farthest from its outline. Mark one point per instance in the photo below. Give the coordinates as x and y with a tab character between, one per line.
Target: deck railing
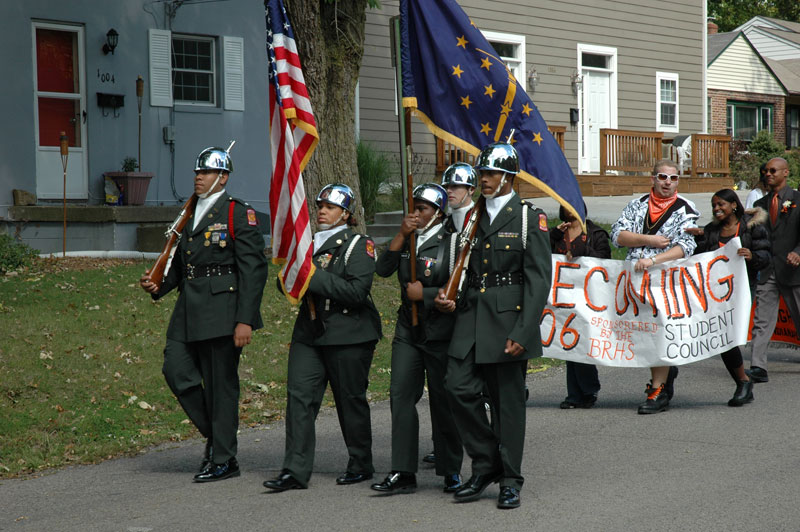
711	155
629	152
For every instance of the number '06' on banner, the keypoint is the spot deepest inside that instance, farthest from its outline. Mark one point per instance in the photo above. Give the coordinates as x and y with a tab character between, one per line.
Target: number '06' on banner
600	311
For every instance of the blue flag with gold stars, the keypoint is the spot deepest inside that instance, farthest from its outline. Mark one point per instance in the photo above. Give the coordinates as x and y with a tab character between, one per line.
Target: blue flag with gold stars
460	88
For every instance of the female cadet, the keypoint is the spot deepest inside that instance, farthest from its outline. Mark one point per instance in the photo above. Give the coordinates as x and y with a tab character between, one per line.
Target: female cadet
333	342
421	350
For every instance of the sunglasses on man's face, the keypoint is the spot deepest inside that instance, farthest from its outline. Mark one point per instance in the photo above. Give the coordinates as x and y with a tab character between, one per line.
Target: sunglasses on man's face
773	170
664	177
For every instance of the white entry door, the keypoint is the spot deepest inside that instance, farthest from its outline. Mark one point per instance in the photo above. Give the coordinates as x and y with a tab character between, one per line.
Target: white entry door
59	106
596	116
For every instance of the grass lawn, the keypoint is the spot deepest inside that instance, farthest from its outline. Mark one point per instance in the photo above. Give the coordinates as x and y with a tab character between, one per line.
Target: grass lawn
81	354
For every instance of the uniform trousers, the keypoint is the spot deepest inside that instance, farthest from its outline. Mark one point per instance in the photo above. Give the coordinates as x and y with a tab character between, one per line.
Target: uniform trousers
766	315
582	381
495	446
204	376
346	368
410	363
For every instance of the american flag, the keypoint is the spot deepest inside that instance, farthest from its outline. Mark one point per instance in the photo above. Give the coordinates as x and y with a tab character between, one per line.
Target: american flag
293	138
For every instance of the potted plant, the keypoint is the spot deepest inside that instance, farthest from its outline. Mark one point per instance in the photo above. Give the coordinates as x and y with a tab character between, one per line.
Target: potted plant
132	184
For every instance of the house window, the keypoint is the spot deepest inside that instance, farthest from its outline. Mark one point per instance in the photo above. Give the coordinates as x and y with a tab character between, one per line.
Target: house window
667	102
746	119
793	127
193	70
511	49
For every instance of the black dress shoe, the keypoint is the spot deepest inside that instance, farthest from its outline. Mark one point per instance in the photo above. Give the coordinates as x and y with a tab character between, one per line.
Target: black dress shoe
452	483
283	482
429	458
352	478
757	374
475	486
216	472
509	498
743	394
397	482
208	457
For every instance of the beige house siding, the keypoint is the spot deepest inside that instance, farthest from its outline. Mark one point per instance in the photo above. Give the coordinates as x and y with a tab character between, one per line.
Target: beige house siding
738	68
670	41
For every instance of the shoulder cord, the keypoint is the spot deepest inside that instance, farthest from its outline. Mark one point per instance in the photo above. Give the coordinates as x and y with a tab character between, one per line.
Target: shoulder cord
524	226
453	246
350	249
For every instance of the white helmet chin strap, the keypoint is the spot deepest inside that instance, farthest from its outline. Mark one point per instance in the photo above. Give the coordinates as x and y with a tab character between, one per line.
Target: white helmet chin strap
205	194
325	227
467	196
428	225
499	187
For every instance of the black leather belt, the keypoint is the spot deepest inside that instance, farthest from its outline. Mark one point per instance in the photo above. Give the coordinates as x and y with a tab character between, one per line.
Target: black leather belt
491	280
215	270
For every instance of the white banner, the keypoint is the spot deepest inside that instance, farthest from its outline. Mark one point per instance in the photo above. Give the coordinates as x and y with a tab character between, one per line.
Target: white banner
599	311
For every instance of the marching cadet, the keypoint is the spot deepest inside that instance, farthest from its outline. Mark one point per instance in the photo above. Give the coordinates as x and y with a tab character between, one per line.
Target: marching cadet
333	342
497	328
220	270
459	179
421	350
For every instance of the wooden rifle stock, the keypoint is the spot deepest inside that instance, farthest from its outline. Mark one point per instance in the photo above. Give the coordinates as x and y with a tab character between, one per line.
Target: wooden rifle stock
173	234
462	261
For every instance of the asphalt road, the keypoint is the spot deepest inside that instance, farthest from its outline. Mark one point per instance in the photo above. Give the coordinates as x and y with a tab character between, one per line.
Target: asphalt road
701	466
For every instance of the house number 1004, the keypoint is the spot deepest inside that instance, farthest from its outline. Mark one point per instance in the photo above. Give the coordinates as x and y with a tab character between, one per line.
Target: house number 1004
105	77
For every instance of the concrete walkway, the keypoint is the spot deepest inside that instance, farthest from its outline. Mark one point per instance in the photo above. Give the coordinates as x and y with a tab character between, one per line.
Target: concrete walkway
701	466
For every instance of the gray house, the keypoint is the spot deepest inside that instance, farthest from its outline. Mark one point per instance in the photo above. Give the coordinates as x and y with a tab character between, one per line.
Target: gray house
586	64
73	66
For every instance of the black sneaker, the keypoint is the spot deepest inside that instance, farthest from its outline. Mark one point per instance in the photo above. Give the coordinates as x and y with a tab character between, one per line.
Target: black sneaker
657	401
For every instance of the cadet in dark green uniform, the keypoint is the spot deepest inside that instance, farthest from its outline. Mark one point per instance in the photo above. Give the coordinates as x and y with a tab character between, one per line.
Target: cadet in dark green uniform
421	350
333	342
497	328
219	269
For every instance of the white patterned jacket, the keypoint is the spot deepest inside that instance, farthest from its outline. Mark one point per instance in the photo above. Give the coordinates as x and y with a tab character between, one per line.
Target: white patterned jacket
681	214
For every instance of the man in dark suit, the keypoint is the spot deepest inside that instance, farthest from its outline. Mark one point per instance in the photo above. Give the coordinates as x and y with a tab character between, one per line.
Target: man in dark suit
782	276
220	269
497	328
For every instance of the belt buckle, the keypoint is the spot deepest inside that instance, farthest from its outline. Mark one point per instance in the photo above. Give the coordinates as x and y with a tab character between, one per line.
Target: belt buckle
482	282
189	271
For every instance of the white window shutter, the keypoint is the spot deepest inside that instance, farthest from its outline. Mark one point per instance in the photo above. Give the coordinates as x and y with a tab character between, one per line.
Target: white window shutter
160	67
233	56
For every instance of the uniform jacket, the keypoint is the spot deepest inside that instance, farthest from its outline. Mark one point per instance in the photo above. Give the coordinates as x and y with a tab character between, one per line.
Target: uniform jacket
754	236
486	318
784	235
211	306
680	215
340	288
434	261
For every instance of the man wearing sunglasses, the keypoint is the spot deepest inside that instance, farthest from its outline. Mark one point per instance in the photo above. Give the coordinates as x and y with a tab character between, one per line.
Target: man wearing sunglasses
652	228
782	276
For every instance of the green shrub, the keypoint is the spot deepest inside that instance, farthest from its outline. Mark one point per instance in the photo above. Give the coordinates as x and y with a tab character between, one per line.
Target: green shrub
14	254
747	158
373	169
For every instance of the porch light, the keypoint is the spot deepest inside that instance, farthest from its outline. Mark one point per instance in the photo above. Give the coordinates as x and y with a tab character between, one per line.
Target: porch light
577	82
533	79
112	38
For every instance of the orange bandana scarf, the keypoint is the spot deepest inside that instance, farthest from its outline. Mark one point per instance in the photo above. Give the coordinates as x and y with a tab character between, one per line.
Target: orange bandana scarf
657	205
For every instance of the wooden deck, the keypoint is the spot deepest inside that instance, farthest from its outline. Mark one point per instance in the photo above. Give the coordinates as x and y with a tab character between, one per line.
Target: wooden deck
617	185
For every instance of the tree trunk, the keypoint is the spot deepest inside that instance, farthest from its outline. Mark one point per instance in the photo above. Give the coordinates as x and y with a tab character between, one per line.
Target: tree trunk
330	42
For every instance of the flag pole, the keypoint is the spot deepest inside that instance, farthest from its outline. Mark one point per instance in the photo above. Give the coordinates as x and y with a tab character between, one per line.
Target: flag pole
404	122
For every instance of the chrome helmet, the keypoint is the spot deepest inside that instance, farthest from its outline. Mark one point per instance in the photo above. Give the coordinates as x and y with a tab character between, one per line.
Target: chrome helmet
214	159
337	194
432	193
460	174
498	156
